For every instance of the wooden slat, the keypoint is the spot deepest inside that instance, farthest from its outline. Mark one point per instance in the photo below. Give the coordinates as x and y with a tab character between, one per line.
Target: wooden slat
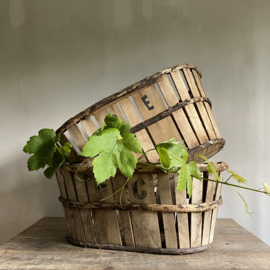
145	224
124	216
165	128
209	110
190	109
200	105
105	221
168	218
77	136
142	135
179	116
82	195
196	218
75	213
100	116
89	126
62	188
182	218
211	187
215	211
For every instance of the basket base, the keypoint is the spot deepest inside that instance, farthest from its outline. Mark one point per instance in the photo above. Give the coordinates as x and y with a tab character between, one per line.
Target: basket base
140	249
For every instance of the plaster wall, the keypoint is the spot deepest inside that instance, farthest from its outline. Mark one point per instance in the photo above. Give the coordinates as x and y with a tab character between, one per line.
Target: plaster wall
58	57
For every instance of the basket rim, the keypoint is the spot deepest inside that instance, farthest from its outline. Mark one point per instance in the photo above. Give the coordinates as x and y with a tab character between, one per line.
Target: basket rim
140	168
120	95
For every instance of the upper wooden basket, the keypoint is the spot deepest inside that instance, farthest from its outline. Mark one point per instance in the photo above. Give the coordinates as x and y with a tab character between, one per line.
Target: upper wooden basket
169	104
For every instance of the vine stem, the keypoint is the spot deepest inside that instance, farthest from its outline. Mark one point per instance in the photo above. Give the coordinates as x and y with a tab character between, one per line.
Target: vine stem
229	184
122	188
146	153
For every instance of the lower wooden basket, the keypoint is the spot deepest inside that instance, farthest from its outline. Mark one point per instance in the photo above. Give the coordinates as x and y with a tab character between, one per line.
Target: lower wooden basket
151	217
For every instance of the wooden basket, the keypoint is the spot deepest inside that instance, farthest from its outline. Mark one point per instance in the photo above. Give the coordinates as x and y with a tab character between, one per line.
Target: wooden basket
170	103
154	218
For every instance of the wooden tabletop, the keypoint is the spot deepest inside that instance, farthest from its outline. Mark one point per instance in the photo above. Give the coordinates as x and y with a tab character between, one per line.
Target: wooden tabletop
44	246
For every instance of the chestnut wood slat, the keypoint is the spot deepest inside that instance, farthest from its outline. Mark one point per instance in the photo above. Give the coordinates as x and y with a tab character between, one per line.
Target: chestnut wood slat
168	218
124	216
75	213
190	109
150	103
62	188
201	108
82	195
142	135
196	218
77	136
89	126
145	224
100	116
179	115
209	110
182	218
105	221
215	211
211	188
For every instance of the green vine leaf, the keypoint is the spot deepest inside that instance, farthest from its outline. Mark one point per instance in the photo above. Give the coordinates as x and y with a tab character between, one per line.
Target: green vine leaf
211	168
237	177
184	178
112	121
113	150
175	151
164	157
43	147
65	150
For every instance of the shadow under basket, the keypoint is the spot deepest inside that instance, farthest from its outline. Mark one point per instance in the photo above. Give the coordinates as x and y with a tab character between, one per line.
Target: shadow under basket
152	218
169	104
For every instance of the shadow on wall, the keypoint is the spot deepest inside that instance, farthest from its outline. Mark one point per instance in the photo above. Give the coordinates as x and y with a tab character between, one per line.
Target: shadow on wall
22	204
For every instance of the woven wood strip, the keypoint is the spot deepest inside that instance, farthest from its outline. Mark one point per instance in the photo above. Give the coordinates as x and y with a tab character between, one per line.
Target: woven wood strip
181	208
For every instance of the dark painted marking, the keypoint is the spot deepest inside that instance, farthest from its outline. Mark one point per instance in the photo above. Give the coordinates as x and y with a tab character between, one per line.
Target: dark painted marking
146	102
135	190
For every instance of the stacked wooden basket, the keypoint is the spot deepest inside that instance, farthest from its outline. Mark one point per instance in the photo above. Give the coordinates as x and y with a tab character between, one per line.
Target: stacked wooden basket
155	218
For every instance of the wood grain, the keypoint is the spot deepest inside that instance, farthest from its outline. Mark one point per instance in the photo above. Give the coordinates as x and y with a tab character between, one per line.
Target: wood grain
86	214
75	213
211	188
190	109
182	218
200	106
124	216
168	218
196	218
44	246
145	224
179	115
165	128
105	221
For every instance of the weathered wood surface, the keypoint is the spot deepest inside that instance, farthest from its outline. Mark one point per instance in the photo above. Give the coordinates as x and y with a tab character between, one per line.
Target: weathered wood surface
43	246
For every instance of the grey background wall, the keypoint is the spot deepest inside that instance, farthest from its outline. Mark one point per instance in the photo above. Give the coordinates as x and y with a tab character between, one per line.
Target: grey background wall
58	57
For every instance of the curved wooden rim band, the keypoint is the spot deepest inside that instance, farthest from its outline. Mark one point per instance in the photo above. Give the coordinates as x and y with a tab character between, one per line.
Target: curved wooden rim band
120	95
220	166
168	251
181	208
168	112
